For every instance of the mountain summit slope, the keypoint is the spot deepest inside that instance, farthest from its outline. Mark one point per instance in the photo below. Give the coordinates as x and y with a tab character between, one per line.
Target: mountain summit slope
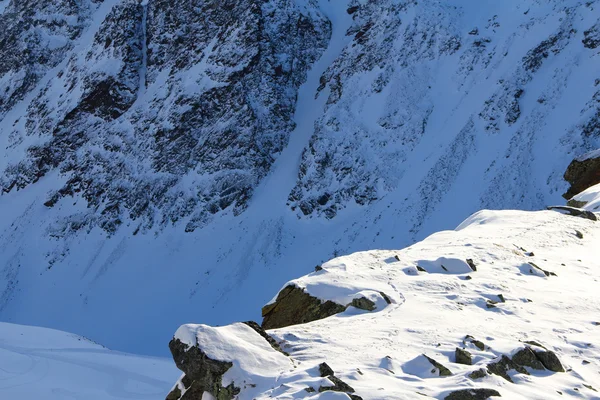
160	160
505	305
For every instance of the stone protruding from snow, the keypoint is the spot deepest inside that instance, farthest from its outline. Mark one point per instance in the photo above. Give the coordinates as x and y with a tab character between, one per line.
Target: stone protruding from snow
583	173
537	358
347	286
472	394
222	361
294	306
575	212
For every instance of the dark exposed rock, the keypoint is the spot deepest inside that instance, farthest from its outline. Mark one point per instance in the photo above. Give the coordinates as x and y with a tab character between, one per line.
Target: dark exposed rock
582	173
442	371
502	366
386	298
338	386
421	269
294	306
547	273
462	356
472	264
325	370
591	38
257	328
364	304
491	304
202	374
472	394
527	358
479	344
576	203
575	212
549	360
480	373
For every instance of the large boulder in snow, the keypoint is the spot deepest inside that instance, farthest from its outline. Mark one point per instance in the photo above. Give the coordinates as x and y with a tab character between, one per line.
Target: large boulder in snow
222	361
583	173
338	285
294	306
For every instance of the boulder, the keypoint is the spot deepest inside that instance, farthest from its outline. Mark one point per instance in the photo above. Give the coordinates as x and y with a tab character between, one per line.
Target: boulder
325	370
222	361
538	359
202	374
462	356
550	360
575	212
472	394
363	303
294	306
442	370
338	386
527	358
582	173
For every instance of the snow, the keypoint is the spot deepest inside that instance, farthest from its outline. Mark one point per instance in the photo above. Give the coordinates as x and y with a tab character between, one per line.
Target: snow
591	198
38	363
3	5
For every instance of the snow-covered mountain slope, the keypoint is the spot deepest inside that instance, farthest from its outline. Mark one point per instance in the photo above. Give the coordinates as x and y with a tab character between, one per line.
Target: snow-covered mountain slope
160	161
428	321
37	363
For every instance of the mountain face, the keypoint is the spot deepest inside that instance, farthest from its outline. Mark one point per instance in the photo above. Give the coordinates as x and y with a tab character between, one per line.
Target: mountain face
160	160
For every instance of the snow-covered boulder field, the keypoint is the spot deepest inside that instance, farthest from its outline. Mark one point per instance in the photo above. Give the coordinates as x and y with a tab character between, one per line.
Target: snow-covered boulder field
506	305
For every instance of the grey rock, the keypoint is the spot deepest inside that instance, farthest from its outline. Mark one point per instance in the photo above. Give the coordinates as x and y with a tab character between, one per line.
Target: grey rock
462	356
363	303
472	394
294	306
202	374
575	212
442	370
325	370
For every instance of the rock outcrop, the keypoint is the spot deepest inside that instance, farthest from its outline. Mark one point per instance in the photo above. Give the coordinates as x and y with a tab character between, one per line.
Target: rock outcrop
294	306
537	358
582	173
206	355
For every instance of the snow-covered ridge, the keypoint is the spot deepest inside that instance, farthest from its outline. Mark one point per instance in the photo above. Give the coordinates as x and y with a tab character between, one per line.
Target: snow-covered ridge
500	285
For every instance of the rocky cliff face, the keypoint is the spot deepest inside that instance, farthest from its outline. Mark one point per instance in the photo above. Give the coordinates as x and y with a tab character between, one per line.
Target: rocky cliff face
202	150
160	94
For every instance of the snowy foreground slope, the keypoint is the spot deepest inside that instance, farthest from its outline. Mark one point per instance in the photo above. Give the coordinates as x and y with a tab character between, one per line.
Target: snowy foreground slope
37	363
160	162
523	285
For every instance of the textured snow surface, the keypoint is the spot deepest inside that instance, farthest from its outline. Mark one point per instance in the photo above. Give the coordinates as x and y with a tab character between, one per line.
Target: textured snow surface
398	120
591	197
38	363
380	353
